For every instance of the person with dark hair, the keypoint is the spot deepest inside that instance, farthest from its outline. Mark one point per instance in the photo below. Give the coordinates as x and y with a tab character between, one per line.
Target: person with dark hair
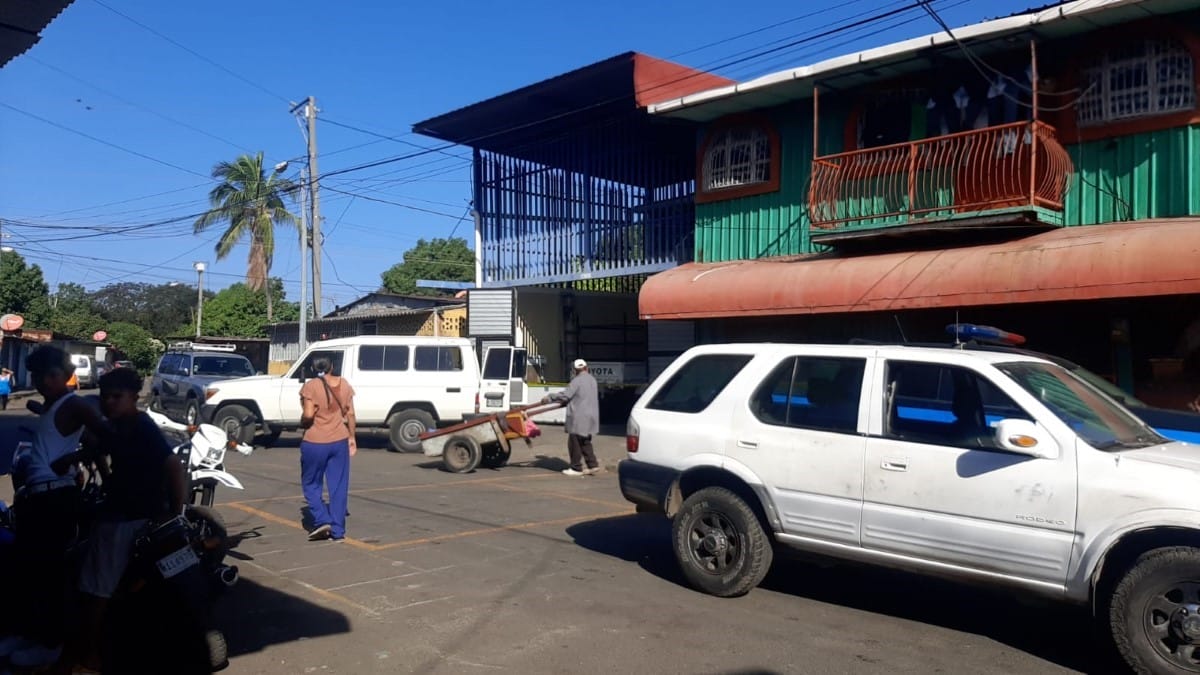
145	481
47	511
326	448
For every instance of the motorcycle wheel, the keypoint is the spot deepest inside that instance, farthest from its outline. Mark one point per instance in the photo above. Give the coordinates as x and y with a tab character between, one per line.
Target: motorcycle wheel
211	525
218	650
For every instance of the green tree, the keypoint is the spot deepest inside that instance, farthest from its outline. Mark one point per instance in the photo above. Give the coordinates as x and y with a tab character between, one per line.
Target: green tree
135	342
250	203
159	308
437	259
238	311
23	290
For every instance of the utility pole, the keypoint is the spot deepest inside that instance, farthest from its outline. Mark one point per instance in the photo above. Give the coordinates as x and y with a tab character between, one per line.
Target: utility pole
310	112
199	267
303	340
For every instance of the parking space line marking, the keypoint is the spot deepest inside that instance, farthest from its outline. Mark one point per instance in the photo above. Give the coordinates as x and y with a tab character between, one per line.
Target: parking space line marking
417	603
500	528
396	488
560	495
328	595
378	581
279	520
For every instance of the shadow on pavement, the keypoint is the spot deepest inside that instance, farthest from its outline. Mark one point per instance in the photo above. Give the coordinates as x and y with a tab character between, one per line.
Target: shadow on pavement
254	617
1059	633
545	462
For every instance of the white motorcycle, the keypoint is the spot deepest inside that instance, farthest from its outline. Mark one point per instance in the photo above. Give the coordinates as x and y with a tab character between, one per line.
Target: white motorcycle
205	454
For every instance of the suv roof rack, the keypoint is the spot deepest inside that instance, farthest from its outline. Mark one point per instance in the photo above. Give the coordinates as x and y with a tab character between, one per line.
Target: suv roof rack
200	347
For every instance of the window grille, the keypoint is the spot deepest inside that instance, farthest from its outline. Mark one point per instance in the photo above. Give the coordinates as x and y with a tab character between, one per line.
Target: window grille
1150	77
737	157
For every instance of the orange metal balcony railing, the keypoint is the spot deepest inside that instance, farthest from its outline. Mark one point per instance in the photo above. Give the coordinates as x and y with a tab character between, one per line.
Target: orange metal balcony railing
1000	167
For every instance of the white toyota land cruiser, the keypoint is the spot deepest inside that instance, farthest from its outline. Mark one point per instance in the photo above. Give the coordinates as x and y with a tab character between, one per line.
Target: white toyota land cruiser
406	384
993	467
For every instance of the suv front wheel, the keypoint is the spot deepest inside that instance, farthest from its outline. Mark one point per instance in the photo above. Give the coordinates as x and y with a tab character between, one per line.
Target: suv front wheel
1155	612
720	544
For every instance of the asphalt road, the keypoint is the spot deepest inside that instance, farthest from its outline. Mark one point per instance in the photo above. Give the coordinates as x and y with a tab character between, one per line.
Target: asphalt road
524	570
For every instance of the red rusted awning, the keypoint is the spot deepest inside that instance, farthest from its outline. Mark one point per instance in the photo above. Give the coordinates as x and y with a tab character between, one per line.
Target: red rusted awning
1145	258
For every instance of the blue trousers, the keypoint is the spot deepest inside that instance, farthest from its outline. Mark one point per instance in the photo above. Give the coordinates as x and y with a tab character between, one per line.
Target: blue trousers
326	463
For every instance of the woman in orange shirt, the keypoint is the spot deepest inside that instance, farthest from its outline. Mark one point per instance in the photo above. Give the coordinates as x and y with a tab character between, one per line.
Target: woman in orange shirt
326	448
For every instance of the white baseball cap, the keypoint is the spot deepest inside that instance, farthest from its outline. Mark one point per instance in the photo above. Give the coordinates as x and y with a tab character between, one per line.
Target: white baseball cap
579	364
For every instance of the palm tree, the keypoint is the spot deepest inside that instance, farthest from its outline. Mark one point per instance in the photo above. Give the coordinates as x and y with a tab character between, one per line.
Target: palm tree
251	202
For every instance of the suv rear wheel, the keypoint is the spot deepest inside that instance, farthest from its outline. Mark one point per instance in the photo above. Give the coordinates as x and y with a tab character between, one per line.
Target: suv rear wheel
1155	612
719	543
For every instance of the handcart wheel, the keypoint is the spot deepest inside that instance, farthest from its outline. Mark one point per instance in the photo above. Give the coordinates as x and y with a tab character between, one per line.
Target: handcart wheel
461	454
494	456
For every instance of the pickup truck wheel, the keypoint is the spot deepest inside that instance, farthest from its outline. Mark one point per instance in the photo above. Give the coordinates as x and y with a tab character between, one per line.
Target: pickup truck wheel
461	454
1155	612
237	422
719	543
405	429
191	413
156	402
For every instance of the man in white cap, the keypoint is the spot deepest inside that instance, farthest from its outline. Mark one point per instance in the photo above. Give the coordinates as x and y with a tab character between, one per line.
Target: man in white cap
583	419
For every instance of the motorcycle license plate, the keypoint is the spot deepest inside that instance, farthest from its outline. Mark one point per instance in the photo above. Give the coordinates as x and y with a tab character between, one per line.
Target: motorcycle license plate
177	562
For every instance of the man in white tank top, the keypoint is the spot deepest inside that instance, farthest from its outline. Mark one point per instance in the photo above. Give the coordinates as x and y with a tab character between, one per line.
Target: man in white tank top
46	511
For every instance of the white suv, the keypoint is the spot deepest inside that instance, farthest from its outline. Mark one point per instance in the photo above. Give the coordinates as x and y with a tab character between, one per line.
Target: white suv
986	466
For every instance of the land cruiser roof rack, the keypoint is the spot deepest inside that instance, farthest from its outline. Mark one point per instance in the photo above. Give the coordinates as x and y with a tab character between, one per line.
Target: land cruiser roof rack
200	347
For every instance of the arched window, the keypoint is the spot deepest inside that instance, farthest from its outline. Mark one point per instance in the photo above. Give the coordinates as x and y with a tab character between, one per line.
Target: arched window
739	159
1138	79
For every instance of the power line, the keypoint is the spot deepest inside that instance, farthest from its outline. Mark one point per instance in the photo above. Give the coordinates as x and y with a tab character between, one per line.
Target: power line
430	150
193	52
99	140
134	104
396	139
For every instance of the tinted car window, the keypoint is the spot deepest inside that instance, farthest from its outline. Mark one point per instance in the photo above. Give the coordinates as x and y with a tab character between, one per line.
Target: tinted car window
224	366
166	366
437	358
812	393
383	357
694	386
945	405
306	370
496	366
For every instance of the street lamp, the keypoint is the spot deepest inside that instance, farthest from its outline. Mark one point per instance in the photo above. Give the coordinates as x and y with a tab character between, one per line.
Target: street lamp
199	267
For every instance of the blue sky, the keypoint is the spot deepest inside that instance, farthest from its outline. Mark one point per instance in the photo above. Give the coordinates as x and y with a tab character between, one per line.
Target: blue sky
372	64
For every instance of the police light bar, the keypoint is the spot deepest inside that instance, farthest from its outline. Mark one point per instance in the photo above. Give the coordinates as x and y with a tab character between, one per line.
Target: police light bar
969	331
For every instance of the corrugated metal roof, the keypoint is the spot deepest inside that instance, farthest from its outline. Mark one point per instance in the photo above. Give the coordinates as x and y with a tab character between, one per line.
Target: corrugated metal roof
367	316
21	24
1123	260
566	102
890	60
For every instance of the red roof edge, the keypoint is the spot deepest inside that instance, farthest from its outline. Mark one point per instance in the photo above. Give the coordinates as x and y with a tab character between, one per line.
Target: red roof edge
656	80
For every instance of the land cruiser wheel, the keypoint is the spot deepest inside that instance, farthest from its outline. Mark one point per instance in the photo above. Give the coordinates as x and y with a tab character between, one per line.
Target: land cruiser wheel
237	422
405	429
1155	612
719	543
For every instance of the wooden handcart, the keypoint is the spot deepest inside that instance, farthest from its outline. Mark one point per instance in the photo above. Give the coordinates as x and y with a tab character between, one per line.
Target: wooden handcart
483	441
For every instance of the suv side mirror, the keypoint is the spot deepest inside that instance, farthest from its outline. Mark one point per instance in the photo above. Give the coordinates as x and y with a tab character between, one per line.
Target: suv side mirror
1025	438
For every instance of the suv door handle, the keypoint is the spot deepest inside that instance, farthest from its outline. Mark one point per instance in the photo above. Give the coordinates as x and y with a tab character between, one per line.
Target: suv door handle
453	390
748	445
894	464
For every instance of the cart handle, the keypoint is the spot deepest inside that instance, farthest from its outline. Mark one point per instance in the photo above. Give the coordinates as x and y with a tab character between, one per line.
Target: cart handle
537	408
